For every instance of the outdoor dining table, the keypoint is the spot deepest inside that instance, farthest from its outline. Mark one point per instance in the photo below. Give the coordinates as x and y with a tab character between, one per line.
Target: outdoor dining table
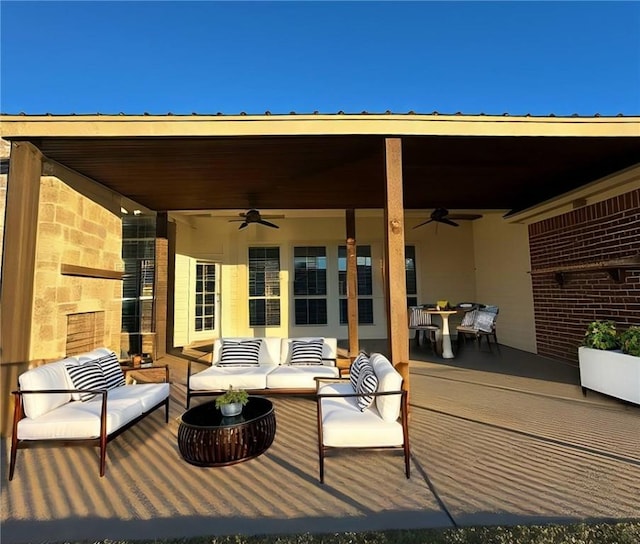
447	351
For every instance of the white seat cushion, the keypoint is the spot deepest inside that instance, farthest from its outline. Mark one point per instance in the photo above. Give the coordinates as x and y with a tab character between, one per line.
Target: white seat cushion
345	426
79	419
299	377
48	376
217	378
148	394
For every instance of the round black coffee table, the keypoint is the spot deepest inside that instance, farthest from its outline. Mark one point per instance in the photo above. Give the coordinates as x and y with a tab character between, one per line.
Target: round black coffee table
208	439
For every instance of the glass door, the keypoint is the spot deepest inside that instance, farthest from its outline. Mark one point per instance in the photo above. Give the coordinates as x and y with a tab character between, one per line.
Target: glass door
205	298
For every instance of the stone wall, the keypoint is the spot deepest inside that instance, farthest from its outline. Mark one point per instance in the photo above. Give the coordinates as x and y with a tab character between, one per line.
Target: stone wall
73	230
597	233
5	148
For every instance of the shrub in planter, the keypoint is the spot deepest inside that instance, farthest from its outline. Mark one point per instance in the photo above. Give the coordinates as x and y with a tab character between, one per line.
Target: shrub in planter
630	341
601	335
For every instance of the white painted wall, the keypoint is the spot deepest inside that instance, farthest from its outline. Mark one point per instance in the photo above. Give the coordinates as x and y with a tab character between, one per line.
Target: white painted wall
502	278
450	261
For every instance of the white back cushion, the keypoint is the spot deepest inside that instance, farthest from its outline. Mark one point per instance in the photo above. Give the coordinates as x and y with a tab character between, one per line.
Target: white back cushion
93	355
389	379
269	349
329	349
49	376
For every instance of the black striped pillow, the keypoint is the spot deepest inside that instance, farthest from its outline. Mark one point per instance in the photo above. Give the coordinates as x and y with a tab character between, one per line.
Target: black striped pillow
306	353
86	376
367	383
241	353
361	361
113	375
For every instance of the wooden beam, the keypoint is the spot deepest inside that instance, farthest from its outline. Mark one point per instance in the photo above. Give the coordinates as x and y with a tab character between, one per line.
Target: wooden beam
87	272
395	277
88	187
352	284
19	260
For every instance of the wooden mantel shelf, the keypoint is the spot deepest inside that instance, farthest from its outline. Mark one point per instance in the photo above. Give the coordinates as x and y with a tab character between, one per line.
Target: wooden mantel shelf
84	271
616	268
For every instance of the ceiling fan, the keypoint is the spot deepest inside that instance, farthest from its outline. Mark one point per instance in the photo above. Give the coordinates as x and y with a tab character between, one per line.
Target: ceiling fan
441	215
253	216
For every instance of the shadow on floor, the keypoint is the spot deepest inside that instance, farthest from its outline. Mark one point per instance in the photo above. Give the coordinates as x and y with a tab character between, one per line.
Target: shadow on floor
499	360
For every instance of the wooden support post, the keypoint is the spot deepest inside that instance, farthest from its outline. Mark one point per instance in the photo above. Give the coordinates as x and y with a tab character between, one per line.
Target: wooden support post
352	284
161	294
395	277
19	262
171	285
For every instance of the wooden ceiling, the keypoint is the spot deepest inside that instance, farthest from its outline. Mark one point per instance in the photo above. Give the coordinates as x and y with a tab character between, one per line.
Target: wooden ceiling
339	172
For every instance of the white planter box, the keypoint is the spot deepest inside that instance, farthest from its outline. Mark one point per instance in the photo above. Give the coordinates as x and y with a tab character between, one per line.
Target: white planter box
610	372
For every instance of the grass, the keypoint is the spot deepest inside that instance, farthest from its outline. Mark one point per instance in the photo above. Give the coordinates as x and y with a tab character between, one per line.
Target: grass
581	533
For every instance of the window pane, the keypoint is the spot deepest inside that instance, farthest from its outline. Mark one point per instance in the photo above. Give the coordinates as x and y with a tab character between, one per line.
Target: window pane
365	311
364	270
410	269
257	313
205	283
310	271
311	311
264	312
264	281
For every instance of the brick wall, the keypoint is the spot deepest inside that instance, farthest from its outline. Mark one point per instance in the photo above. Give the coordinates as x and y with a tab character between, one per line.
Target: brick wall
599	232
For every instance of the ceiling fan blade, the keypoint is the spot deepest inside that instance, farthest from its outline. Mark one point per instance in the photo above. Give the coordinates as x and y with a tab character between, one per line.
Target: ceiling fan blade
448	222
429	221
243	226
267	224
465	216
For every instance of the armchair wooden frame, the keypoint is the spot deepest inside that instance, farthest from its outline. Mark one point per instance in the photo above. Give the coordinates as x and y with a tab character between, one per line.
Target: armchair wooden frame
324	451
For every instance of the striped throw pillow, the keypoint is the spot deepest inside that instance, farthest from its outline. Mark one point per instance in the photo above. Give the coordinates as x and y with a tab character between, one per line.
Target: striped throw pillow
306	353
242	353
361	361
367	383
86	376
113	375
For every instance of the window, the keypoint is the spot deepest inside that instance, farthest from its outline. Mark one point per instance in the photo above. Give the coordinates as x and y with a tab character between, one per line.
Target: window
205	291
365	284
411	276
138	255
264	286
310	285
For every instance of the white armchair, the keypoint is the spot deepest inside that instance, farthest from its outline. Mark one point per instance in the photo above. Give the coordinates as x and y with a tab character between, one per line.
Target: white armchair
367	410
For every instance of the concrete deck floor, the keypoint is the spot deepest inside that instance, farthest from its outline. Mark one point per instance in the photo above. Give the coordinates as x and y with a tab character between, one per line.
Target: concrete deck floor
497	438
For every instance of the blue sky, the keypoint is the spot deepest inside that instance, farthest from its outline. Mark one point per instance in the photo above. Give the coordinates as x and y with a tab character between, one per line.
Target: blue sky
231	57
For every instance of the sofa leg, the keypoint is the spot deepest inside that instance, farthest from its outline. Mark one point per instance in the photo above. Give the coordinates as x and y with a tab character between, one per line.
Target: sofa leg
584	394
407	466
103	455
166	410
14	454
321	460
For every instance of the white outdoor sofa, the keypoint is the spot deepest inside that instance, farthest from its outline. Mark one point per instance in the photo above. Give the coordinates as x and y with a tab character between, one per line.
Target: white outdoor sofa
268	365
81	400
367	410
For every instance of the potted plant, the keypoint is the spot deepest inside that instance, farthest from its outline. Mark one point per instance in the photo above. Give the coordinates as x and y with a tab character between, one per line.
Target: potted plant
606	368
601	335
630	341
230	403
